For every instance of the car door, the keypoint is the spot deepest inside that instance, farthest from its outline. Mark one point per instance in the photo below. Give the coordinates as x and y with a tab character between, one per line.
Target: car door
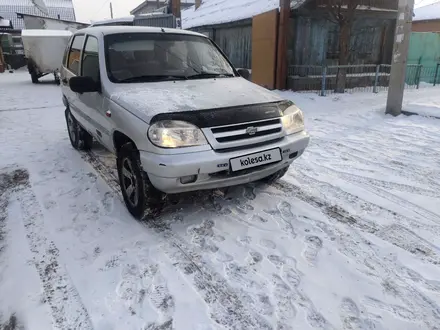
95	105
63	71
72	69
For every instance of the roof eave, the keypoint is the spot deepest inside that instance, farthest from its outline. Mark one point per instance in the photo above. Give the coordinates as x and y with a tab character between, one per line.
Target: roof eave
139	7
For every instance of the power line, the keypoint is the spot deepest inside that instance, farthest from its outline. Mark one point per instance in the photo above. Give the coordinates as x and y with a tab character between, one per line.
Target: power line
102	7
421	3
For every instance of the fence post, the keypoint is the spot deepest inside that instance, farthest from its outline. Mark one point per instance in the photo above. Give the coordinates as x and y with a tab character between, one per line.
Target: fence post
324	79
376	79
436	73
419	73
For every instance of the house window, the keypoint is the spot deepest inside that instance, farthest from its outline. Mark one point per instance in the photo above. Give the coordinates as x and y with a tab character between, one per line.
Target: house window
333	44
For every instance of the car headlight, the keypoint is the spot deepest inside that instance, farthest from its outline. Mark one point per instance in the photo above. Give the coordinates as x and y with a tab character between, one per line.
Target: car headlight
175	134
293	120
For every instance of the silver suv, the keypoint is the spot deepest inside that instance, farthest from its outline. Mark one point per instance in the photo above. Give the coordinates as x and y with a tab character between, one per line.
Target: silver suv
176	113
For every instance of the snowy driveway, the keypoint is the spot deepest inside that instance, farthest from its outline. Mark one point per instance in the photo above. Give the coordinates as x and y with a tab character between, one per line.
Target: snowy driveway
348	240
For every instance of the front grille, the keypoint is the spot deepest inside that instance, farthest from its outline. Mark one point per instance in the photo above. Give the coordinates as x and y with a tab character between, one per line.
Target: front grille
247	131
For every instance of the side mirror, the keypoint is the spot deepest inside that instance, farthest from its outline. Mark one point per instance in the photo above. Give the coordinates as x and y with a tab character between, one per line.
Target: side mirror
84	85
245	73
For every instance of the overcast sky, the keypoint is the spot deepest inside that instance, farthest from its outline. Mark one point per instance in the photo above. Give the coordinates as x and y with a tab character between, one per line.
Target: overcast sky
87	10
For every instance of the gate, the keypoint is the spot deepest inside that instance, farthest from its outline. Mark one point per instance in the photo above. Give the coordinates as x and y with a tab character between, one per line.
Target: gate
264	48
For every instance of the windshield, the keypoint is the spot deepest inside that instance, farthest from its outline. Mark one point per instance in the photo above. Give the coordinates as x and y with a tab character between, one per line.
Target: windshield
142	57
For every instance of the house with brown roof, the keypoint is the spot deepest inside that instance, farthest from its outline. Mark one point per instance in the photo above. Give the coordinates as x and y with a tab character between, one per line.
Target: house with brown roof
427	18
251	34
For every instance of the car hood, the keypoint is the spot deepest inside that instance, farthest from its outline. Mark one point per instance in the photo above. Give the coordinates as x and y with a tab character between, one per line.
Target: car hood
146	100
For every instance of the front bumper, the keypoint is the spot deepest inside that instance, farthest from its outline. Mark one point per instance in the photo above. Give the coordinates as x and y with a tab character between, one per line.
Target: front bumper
213	168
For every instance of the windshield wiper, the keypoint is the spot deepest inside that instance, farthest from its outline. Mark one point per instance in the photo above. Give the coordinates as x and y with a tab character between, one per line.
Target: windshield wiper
207	75
151	78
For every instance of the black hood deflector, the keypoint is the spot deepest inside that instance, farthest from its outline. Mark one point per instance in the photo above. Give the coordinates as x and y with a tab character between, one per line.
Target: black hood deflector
227	116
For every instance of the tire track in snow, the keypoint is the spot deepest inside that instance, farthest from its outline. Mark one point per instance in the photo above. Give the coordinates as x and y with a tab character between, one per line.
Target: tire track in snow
385	267
422	248
60	294
421	174
332	211
381	183
420	307
220	297
372	186
224	302
405	139
363	204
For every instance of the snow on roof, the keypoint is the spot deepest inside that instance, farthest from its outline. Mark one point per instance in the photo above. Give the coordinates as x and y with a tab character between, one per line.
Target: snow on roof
106	30
428	12
115	20
9	9
224	11
161	2
48	3
4	23
45	33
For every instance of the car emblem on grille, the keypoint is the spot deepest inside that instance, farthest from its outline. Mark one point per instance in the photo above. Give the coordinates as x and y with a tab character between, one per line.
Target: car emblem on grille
251	130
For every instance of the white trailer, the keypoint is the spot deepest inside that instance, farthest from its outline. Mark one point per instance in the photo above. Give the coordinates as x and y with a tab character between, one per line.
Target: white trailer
44	51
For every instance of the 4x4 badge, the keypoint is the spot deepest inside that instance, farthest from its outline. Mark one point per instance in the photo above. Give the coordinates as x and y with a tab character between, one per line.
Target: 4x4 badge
251	130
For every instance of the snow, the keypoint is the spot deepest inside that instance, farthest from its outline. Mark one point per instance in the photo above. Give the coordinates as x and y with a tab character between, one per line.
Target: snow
349	239
45	33
4	23
428	12
189	95
224	11
47	3
116	20
213	12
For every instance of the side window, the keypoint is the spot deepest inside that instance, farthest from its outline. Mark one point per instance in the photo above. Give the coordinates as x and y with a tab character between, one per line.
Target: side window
74	54
66	52
90	60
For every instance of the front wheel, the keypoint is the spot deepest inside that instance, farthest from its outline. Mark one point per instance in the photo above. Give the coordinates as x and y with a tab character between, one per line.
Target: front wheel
79	137
276	176
139	194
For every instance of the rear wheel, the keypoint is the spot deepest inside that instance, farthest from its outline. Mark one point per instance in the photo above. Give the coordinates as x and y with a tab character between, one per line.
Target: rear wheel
79	137
57	78
139	194
276	176
34	77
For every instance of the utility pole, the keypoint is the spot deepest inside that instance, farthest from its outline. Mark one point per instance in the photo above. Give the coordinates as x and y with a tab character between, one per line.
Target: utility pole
283	36
400	55
111	10
175	10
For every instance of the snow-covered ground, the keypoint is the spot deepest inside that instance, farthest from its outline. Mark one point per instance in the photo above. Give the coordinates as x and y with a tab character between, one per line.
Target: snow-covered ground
350	239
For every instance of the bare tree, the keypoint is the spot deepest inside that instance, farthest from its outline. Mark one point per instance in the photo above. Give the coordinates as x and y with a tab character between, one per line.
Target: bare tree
342	13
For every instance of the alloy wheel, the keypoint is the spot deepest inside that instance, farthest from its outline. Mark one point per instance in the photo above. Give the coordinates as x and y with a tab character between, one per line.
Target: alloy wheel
129	182
71	127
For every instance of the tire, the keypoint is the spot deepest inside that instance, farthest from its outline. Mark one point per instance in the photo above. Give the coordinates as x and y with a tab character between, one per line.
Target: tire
34	77
276	176
79	137
142	197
